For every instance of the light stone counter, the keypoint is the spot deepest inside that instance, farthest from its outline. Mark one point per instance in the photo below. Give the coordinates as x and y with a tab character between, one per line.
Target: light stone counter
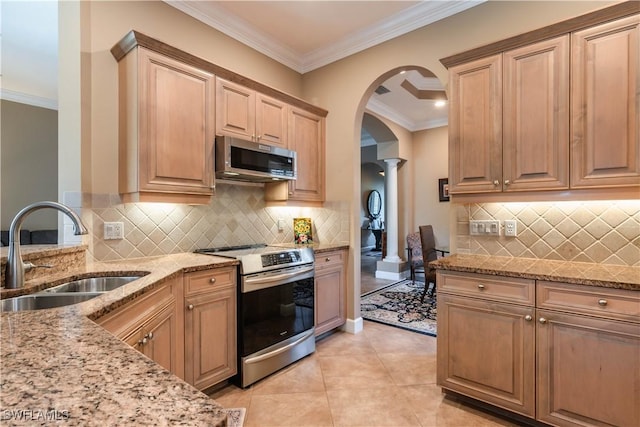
58	363
579	273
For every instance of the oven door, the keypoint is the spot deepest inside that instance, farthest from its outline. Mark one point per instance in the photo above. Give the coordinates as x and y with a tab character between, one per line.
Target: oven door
269	315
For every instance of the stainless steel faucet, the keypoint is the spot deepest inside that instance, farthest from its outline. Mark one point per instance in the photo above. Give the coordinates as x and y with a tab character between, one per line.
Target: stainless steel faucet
15	267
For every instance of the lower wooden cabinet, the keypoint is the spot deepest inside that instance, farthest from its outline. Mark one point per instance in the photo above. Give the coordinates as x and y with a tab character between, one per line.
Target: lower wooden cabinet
573	359
153	324
187	325
210	326
330	292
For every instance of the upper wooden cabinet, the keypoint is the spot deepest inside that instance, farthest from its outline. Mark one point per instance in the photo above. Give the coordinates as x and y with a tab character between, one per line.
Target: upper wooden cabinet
245	113
605	93
166	129
537	112
509	120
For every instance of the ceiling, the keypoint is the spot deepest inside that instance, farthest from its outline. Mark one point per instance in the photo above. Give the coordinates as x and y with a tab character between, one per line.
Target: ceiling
303	35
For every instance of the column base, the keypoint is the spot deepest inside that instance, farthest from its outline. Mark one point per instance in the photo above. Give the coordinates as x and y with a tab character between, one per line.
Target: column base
391	270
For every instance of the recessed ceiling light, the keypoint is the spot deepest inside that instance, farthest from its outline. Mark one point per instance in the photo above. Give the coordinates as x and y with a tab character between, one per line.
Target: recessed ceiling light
440	103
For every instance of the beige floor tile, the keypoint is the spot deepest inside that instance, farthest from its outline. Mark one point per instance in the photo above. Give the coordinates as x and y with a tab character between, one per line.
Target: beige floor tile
370	407
354	372
398	342
302	377
409	368
295	409
232	396
343	343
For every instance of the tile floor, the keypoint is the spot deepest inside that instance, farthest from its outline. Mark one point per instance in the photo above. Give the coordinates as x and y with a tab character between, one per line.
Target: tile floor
383	376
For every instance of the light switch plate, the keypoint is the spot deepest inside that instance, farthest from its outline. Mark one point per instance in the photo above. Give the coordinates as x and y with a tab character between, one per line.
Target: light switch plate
484	227
113	230
280	224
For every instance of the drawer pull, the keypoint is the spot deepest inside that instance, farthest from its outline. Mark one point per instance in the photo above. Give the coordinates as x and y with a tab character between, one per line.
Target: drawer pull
212	280
602	302
542	320
528	318
190	306
481	287
327	259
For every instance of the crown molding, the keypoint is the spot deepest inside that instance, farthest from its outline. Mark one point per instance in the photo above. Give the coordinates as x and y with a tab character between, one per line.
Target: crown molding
396	25
415	17
25	98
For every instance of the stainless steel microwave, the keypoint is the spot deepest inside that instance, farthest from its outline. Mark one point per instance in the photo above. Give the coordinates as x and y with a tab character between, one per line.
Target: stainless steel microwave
243	160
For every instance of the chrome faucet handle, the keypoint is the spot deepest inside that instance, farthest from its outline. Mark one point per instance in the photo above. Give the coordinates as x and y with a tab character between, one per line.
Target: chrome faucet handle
29	266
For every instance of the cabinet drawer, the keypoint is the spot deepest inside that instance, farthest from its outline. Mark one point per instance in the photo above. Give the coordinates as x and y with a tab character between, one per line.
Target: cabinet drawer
207	280
330	259
124	320
507	289
590	300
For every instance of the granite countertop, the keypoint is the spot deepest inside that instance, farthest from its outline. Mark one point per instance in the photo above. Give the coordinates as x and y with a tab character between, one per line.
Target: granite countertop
58	363
580	273
317	247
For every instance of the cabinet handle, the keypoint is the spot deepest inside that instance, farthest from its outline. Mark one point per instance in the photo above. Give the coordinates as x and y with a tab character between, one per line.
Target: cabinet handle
602	302
496	182
481	287
143	341
150	335
542	320
507	182
212	280
190	306
327	259
528	318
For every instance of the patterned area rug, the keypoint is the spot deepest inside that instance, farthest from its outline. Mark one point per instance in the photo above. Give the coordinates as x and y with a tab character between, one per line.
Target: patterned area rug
399	305
235	417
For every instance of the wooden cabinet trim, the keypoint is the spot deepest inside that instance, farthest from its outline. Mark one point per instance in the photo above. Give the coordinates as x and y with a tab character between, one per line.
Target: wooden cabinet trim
574	24
494	288
135	38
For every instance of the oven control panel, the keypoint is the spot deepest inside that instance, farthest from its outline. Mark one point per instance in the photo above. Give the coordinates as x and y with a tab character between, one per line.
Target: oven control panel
279	258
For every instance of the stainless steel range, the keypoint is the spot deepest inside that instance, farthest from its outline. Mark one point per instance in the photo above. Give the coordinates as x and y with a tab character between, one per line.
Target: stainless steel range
275	307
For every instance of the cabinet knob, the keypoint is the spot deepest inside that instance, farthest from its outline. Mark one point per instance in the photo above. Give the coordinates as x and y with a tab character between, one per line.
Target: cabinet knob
528	318
481	287
190	306
150	335
602	302
327	259
212	280
496	182
143	341
542	320
507	182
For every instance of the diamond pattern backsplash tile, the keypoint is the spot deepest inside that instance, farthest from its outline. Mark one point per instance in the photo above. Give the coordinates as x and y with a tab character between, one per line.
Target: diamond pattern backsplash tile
237	215
605	232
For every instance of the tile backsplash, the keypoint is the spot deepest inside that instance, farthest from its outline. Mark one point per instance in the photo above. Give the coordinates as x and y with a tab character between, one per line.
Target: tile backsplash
237	215
604	232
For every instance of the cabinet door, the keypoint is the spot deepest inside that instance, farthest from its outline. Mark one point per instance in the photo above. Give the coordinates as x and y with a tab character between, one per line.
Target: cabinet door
535	144
306	138
330	291
210	337
235	110
605	98
475	126
176	126
588	371
271	120
160	340
486	351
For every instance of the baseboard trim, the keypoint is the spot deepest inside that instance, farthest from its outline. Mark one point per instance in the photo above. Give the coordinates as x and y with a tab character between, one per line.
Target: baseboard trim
354	326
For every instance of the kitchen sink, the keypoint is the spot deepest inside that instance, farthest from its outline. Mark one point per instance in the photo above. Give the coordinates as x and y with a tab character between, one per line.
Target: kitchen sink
93	284
44	300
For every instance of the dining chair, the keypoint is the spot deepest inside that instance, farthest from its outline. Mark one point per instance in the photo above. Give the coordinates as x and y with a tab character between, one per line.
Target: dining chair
429	253
414	249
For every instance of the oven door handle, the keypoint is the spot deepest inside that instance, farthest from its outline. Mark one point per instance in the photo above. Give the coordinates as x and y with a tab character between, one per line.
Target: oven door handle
280	350
256	283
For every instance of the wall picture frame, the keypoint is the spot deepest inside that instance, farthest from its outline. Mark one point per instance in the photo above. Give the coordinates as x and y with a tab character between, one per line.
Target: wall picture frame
443	189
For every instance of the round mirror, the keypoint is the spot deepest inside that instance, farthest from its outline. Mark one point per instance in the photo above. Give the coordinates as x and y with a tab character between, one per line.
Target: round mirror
374	204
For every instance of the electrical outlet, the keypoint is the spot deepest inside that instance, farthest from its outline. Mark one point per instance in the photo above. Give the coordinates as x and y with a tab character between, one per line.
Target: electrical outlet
280	224
113	230
484	227
511	227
